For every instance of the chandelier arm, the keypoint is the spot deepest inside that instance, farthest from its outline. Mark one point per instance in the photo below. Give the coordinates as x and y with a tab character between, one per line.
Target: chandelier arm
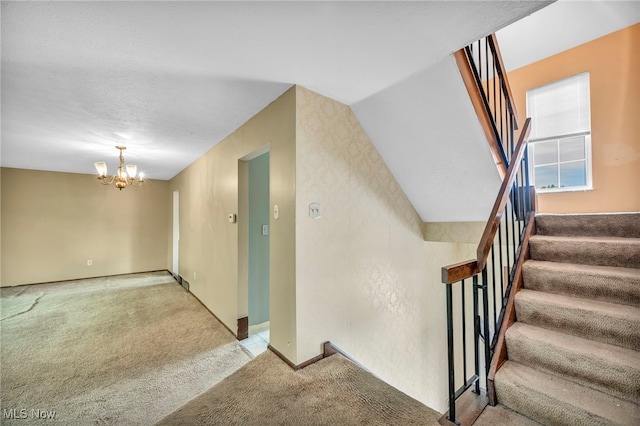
106	180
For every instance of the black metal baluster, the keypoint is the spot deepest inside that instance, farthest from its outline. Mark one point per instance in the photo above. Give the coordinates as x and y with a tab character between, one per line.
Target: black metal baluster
464	334
450	360
506	227
480	62
500	258
495	105
513	228
476	332
511	135
486	64
485	314
519	188
505	142
493	282
526	173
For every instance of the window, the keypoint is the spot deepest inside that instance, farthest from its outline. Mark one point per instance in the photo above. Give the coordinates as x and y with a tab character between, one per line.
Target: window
560	138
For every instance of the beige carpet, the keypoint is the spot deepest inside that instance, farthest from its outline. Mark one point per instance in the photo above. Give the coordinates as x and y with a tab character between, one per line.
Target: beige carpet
500	415
333	391
574	352
122	351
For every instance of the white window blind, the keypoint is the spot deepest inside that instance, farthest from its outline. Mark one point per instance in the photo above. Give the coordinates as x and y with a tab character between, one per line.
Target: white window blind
560	109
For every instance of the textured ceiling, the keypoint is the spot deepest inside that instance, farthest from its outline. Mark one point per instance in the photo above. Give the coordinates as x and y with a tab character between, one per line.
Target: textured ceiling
172	79
561	26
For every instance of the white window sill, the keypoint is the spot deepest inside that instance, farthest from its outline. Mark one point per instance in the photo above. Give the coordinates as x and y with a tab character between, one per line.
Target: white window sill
560	190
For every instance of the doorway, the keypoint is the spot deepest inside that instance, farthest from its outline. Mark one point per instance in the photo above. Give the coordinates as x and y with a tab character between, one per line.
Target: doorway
258	235
176	234
253	256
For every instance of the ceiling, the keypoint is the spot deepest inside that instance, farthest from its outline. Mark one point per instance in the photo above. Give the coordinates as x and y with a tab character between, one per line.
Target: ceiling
426	129
562	26
171	79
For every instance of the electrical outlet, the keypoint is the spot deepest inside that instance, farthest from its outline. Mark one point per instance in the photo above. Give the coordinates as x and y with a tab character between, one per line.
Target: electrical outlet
89	262
194	276
314	211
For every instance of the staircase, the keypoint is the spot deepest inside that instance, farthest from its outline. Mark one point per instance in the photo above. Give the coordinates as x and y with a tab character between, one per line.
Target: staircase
574	351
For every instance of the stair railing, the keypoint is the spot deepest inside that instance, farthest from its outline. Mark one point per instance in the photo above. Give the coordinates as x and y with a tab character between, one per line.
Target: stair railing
492	274
475	314
484	74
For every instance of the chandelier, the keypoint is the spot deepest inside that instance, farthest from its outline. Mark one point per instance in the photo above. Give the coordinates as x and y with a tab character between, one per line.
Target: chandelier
125	176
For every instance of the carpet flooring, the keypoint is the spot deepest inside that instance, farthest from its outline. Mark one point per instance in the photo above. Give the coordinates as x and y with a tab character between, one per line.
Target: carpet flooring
126	350
140	350
574	352
333	391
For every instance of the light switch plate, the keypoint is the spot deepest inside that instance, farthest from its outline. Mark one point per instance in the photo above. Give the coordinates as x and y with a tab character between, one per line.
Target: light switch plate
265	229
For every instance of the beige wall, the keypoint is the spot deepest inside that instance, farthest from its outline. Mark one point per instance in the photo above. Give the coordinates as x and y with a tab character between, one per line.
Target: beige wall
1	280
365	278
52	223
614	66
456	232
209	243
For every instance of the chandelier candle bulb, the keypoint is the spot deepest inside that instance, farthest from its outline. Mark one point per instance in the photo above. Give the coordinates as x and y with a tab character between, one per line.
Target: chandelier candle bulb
125	176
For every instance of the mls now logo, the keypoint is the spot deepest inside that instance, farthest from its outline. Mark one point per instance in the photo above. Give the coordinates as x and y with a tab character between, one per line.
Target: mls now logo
23	413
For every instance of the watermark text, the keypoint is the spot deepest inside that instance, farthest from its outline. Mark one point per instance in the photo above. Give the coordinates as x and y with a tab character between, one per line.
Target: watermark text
24	413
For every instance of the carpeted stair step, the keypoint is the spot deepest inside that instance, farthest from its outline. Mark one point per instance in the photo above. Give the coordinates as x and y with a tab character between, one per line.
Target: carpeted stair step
590	319
552	400
595	225
503	416
604	283
603	251
607	368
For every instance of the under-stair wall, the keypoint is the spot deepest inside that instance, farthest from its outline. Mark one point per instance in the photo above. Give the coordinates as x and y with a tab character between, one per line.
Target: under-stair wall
364	274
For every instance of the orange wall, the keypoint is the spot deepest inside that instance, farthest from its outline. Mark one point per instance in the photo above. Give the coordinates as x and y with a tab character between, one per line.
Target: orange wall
613	62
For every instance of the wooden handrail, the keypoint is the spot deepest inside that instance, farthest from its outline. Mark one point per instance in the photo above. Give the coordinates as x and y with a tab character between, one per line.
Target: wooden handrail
459	271
507	88
467	269
483	115
486	241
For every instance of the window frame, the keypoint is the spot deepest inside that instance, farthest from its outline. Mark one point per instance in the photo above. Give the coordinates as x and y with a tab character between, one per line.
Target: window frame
559	138
587	160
